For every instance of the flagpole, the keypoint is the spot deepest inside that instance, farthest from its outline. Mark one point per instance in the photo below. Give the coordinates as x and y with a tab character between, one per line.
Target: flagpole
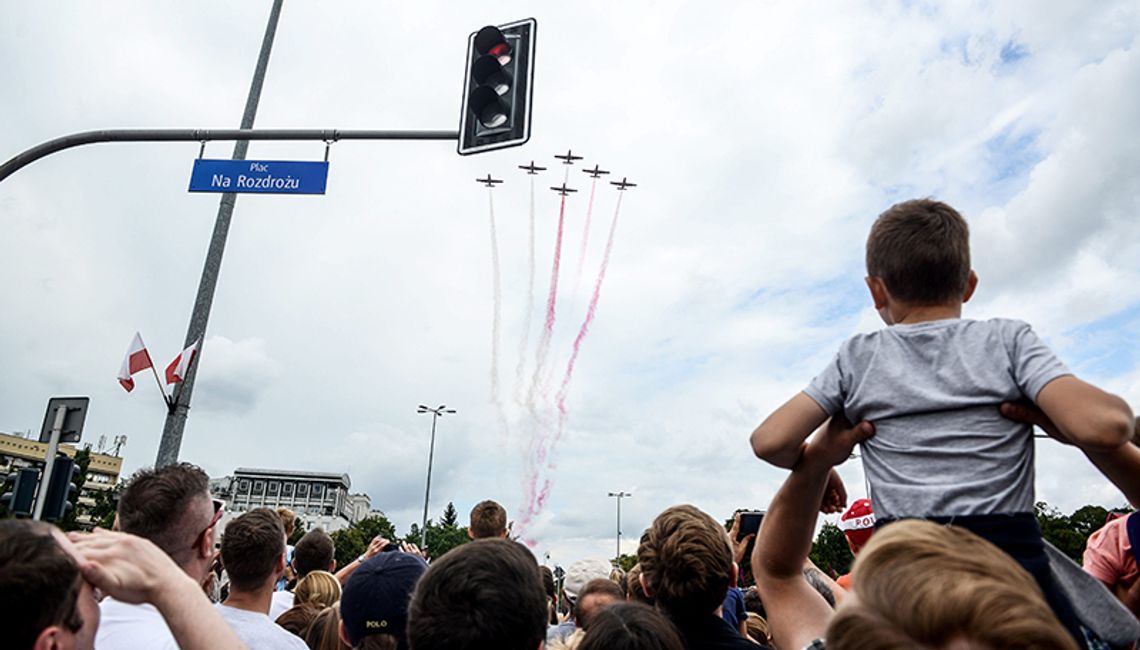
158	381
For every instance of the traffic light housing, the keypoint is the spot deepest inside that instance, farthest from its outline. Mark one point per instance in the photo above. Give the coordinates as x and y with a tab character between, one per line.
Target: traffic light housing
498	87
61	489
20	500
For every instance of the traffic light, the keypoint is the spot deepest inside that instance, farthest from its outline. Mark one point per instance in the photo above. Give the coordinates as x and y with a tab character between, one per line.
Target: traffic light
21	499
498	88
61	489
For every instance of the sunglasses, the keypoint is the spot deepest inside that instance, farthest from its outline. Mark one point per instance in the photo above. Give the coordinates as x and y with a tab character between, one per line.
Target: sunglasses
219	508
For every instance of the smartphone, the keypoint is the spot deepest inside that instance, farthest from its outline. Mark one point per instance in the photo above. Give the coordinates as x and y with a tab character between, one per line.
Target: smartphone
749	523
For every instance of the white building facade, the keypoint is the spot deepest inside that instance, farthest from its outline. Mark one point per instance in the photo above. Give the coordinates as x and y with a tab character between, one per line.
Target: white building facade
318	498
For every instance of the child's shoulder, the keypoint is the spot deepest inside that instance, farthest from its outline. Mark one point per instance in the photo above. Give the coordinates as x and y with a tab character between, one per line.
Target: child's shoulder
1006	330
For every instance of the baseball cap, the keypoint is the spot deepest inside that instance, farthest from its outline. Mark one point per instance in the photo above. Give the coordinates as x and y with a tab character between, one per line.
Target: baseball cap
858	522
582	572
375	600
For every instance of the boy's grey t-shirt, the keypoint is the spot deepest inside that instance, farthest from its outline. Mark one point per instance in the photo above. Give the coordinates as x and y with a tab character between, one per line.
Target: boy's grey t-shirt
932	390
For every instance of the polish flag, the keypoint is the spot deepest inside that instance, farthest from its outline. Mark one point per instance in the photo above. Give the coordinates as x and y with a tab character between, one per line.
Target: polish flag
178	368
137	359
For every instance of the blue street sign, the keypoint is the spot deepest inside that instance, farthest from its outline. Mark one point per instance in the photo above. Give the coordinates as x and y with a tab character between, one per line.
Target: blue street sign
259	176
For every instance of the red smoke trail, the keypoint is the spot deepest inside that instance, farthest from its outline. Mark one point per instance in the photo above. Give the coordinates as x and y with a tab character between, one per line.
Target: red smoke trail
591	311
585	240
551	302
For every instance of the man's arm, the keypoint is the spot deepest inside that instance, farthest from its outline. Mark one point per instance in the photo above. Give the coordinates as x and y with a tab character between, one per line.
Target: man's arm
780	438
375	546
1087	416
1120	465
797	613
134	570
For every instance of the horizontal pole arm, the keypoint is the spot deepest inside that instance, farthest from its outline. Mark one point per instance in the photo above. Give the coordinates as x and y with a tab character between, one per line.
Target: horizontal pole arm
45	149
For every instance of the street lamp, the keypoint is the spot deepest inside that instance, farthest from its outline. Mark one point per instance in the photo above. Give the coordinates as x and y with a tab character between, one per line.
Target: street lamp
619	496
436	413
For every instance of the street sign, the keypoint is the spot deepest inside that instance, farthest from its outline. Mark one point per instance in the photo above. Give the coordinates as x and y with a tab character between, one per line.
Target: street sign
72	422
259	176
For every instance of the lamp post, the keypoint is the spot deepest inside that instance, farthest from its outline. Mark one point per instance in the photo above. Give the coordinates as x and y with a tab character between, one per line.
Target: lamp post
436	413
619	496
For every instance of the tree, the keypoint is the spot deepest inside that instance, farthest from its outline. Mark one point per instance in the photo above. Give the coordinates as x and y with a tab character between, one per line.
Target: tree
626	561
1058	529
441	537
374	525
298	531
349	545
450	516
830	552
102	513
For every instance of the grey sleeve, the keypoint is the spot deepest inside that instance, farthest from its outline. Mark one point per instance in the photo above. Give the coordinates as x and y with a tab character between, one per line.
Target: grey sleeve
1034	364
827	388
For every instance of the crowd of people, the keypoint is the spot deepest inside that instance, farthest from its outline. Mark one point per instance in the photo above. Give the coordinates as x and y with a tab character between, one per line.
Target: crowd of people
948	553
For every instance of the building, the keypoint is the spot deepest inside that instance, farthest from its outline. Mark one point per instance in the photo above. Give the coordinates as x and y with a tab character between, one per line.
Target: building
318	498
18	451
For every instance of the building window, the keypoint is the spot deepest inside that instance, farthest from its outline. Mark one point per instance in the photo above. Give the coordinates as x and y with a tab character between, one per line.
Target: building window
259	488
243	486
318	490
302	490
274	488
287	489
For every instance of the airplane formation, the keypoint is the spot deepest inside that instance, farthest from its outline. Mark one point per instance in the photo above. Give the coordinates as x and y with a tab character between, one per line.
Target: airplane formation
567	159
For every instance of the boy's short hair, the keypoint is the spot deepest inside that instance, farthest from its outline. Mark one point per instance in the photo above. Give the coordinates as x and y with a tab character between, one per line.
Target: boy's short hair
168	505
919	584
921	250
686	560
313	552
488	519
39	582
251	546
486	594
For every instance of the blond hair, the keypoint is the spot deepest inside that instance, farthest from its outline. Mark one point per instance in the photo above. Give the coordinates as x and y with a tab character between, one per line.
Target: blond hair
918	583
318	587
288	520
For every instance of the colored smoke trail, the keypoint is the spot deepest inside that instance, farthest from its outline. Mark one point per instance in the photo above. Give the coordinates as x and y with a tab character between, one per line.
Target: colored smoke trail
520	368
585	240
551	304
591	311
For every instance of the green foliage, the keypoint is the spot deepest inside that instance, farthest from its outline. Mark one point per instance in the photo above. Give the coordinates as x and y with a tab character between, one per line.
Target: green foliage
441	537
450	516
103	512
830	552
626	561
350	544
370	527
1062	532
298	531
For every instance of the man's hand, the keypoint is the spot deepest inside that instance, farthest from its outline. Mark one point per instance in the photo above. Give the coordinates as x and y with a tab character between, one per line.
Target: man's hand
834	495
1028	413
833	443
129	568
739	548
375	547
412	549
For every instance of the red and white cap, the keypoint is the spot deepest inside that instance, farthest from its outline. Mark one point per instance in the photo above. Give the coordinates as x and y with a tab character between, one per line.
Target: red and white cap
857	523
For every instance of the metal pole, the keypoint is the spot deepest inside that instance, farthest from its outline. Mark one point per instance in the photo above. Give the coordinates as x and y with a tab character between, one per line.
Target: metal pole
171	441
49	460
427	492
620	495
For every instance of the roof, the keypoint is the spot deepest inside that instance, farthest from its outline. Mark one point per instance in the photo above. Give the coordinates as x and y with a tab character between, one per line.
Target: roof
293	475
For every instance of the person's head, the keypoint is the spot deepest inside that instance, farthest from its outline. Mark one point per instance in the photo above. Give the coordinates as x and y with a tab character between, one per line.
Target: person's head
752	602
324	631
634	592
686	562
857	524
314	552
1136	432
375	600
582	572
44	599
297	619
920	584
320	588
253	550
171	506
288	521
548	586
488	519
918	254
758	629
597	595
631	626
486	594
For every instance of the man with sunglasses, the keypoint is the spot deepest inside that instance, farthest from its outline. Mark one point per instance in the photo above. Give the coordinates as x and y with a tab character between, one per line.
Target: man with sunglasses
171	507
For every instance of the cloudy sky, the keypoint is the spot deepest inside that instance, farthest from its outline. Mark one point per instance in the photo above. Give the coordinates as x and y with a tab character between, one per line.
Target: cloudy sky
765	138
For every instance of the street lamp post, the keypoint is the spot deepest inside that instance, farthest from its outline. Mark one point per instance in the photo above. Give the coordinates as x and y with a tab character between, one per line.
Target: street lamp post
436	413
619	496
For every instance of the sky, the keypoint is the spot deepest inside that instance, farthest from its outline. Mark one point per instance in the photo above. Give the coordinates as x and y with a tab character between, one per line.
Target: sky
764	137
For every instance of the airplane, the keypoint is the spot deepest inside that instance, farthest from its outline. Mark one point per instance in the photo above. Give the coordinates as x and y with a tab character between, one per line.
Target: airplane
595	172
623	184
563	190
489	182
569	158
531	169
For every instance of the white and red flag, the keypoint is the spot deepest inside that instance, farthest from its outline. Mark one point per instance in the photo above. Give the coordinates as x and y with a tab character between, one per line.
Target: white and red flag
178	368
137	359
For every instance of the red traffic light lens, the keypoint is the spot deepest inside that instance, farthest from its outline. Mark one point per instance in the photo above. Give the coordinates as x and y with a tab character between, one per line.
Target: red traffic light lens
490	40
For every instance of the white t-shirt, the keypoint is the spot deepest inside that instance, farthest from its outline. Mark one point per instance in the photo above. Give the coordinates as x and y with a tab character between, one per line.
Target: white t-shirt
282	601
258	631
132	627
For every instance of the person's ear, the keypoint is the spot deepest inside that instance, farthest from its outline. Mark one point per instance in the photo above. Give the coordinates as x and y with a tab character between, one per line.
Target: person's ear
332	566
971	285
280	568
343	636
50	638
879	293
644	585
470	535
